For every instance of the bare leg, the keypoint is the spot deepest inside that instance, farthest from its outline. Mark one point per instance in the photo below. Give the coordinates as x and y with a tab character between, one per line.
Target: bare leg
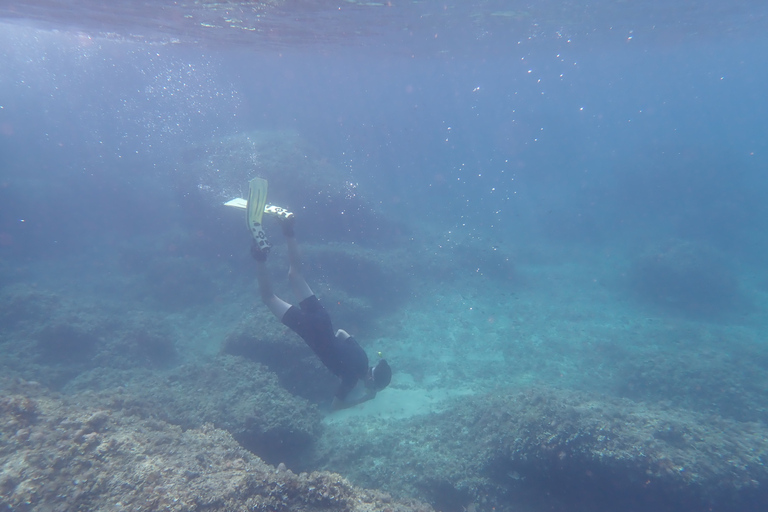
276	305
300	287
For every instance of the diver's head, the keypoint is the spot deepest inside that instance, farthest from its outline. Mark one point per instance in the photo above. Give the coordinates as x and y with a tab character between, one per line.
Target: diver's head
380	375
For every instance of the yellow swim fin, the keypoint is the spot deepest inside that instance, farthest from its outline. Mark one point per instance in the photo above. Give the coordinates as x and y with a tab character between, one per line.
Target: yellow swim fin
257	200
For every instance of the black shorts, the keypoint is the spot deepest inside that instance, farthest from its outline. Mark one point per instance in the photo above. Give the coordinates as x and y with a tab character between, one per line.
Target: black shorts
310	321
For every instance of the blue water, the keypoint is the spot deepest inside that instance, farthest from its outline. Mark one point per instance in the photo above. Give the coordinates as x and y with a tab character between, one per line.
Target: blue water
550	193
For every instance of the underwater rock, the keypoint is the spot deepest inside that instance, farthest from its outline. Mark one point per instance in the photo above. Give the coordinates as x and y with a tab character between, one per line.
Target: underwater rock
237	395
177	283
60	454
300	178
66	342
53	338
542	445
144	347
258	337
23	306
372	282
729	380
46	336
687	278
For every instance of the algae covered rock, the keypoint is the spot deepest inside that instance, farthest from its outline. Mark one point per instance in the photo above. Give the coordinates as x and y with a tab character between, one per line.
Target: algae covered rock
53	337
240	396
59	453
563	447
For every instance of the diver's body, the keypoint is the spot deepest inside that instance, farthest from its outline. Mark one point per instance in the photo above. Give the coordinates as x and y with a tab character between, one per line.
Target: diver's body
338	351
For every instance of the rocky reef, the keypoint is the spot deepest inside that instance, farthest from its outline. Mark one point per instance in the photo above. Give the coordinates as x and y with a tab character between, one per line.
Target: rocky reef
129	360
164	385
689	278
574	450
58	453
51	337
240	396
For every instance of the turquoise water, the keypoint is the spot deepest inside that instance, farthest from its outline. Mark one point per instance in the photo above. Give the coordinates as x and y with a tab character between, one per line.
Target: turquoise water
492	196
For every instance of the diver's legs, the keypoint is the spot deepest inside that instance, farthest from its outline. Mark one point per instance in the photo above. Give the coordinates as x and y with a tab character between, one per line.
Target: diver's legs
276	305
300	287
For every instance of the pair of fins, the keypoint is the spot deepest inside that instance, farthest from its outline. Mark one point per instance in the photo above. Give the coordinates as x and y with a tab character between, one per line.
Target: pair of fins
255	208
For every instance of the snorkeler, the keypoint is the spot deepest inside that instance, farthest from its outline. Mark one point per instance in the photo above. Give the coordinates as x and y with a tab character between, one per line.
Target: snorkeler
339	352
